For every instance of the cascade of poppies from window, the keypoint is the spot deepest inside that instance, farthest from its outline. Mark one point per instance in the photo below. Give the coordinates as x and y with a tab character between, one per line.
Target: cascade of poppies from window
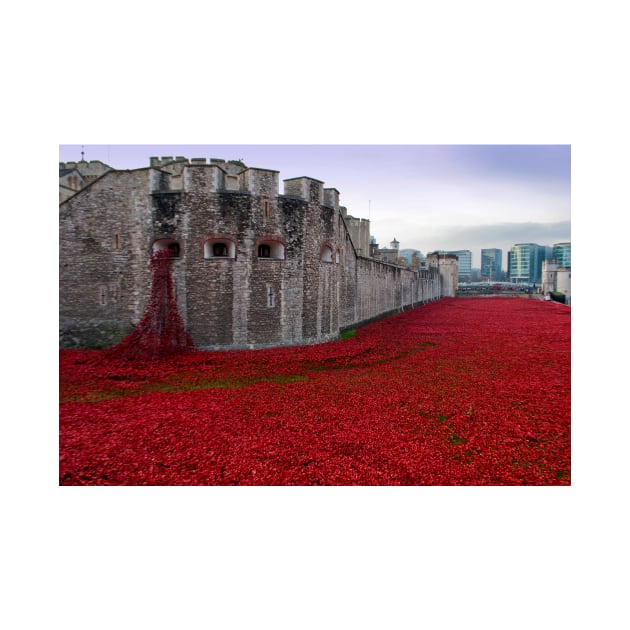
160	332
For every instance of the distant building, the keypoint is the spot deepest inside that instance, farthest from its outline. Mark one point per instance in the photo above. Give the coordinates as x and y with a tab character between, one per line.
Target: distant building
70	182
413	257
556	279
74	176
491	264
561	252
464	264
525	262
389	254
446	264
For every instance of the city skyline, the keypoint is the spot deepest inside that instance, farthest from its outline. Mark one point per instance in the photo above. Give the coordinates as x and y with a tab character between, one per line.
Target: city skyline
428	197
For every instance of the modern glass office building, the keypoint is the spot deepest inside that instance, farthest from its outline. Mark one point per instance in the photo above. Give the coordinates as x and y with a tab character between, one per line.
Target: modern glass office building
464	264
525	262
562	254
491	261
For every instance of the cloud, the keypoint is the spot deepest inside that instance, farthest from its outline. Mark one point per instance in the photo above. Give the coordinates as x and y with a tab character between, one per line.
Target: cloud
522	232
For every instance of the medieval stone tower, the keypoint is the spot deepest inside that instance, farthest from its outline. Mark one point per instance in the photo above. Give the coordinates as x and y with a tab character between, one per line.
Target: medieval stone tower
251	267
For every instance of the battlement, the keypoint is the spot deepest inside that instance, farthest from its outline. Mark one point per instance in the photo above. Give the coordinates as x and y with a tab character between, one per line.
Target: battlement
331	198
180	174
81	163
235	176
305	188
169	159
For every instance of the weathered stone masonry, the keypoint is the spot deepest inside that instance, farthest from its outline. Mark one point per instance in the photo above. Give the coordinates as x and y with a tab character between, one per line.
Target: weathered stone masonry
251	267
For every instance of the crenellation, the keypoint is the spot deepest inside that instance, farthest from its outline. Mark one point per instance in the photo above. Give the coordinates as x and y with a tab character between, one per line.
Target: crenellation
331	198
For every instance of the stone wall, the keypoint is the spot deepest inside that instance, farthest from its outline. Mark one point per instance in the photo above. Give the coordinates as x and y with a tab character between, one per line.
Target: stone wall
103	265
253	268
359	233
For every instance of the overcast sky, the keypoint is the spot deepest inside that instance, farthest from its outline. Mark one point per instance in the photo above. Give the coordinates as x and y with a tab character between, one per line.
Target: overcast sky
426	196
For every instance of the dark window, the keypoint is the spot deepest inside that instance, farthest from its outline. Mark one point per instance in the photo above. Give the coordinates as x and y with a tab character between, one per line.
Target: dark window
219	249
167	244
264	251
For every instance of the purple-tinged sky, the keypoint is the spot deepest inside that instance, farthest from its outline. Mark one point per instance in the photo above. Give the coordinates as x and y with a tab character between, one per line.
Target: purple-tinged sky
426	196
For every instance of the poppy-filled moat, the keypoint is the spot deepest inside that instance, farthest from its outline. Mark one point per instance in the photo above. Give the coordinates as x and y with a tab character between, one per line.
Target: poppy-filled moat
469	391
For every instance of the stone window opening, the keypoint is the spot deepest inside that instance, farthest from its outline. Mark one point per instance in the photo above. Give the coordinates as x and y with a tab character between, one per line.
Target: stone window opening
116	241
270	249
219	247
103	296
169	244
266	209
271	297
326	254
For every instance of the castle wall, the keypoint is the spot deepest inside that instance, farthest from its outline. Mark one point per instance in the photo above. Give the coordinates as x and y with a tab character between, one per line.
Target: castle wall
360	234
103	274
307	286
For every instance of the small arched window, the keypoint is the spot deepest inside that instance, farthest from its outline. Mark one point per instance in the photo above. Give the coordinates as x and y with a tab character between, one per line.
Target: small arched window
167	243
326	254
270	248
219	247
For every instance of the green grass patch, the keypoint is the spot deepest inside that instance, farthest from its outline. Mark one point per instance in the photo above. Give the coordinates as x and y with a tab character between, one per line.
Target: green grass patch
455	439
182	384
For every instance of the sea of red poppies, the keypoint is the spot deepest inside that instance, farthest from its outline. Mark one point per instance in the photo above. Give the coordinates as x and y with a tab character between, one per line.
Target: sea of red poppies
468	391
